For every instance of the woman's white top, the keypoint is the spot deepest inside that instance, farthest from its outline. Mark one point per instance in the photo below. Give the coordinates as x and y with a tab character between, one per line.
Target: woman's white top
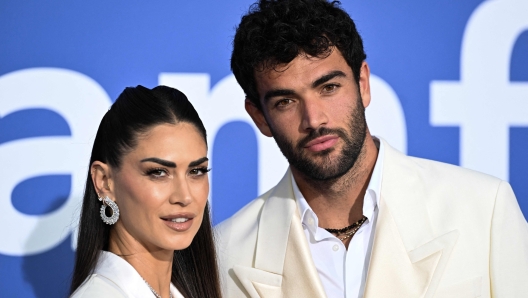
115	277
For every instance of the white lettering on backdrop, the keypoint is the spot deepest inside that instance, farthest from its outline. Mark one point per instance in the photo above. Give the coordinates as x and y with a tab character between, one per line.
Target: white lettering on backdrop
82	103
484	103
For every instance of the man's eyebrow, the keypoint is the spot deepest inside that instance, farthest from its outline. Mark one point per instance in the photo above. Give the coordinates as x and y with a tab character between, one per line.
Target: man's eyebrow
319	81
198	162
328	77
277	92
160	161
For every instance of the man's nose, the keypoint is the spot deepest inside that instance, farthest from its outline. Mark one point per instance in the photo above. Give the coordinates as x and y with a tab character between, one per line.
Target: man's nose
313	114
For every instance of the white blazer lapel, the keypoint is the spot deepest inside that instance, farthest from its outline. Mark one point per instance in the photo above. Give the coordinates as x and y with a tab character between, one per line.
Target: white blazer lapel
408	258
442	245
123	274
265	278
301	278
274	227
259	283
283	266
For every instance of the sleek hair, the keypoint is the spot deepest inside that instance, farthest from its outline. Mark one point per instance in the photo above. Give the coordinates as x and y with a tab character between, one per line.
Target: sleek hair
274	32
136	110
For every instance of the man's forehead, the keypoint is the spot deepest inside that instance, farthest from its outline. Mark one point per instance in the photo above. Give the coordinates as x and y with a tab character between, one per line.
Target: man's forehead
302	65
272	65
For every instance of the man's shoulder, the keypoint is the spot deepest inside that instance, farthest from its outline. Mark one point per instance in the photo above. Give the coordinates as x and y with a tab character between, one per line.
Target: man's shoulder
444	172
244	222
438	182
445	185
427	171
247	213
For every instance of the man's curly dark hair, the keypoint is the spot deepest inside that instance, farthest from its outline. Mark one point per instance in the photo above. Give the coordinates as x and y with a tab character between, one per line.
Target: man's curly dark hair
274	32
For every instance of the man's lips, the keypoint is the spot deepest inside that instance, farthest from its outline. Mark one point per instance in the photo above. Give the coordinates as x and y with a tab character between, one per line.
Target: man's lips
321	143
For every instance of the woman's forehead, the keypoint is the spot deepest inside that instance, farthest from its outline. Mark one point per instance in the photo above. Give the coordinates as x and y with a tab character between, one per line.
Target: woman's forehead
176	141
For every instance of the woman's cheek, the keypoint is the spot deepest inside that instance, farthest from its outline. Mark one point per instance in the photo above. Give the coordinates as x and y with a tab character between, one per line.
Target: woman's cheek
204	192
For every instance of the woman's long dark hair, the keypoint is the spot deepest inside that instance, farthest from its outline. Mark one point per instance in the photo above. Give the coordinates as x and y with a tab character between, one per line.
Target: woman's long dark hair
194	269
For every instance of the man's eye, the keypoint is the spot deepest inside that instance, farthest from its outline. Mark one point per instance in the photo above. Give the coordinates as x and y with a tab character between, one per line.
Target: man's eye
283	102
330	88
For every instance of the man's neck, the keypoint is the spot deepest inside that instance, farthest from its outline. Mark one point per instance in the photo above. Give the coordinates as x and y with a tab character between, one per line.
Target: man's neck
339	203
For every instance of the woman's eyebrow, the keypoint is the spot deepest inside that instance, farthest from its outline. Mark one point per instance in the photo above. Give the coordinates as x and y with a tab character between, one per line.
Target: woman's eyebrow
198	161
160	161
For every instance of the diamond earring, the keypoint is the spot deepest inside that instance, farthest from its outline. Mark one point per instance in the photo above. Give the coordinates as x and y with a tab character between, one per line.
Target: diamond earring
115	211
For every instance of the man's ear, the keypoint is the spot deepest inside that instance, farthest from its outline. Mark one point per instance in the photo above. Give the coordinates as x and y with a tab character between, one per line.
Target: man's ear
364	83
102	179
258	117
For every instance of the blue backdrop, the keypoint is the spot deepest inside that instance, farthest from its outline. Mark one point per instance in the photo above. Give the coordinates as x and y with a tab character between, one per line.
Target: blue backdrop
452	77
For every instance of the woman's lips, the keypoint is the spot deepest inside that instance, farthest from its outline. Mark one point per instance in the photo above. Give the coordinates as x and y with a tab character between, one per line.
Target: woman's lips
322	143
180	223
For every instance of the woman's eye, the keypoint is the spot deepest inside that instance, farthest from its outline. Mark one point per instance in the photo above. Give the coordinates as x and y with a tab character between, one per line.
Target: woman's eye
199	171
157	173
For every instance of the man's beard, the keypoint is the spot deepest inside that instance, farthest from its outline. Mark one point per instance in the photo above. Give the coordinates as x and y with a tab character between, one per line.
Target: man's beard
329	168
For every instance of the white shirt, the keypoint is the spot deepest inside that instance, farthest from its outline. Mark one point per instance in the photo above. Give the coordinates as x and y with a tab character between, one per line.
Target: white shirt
343	272
115	277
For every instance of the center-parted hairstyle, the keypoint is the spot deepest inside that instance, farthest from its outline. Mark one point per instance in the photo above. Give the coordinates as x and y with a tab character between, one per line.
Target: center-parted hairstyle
136	110
274	32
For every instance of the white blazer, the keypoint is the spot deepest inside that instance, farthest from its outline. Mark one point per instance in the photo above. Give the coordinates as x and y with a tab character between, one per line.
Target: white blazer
442	231
115	277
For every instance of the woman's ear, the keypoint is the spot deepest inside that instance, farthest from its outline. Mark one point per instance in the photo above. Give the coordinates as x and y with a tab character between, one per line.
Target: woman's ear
102	179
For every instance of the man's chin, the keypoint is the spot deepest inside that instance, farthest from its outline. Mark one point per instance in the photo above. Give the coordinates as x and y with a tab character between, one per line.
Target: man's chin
325	176
321	171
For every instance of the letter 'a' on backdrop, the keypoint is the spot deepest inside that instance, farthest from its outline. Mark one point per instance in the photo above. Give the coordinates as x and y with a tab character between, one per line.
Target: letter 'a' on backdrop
81	102
455	93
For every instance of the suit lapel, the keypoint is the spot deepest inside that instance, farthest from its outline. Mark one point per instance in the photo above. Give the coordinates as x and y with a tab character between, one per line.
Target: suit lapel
274	227
259	283
300	275
408	256
283	265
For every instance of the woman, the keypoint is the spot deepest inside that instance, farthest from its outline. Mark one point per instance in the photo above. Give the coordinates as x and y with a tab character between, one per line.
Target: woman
145	229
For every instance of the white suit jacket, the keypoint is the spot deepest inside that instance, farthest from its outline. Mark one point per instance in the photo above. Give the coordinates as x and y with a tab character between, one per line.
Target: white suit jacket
114	277
442	231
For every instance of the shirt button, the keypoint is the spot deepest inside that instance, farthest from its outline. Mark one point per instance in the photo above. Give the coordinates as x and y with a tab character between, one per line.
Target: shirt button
335	247
310	221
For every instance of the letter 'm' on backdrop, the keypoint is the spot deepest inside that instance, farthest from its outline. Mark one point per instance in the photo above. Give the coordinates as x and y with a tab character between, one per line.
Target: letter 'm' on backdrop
450	83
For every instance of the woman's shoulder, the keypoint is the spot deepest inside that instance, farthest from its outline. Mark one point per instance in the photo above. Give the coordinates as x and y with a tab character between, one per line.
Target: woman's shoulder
98	286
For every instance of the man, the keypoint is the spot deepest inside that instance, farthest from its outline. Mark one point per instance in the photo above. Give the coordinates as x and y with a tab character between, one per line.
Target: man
352	216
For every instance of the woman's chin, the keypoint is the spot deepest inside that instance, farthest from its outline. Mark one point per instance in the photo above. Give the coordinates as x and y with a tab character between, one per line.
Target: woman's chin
180	247
181	235
180	243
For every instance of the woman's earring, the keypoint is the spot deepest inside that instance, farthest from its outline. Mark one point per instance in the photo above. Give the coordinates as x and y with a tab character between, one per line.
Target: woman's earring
115	210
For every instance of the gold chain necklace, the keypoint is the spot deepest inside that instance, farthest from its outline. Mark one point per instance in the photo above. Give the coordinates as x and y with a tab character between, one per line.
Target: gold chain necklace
347	232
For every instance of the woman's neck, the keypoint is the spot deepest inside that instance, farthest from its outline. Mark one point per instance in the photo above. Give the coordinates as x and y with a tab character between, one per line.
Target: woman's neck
153	264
